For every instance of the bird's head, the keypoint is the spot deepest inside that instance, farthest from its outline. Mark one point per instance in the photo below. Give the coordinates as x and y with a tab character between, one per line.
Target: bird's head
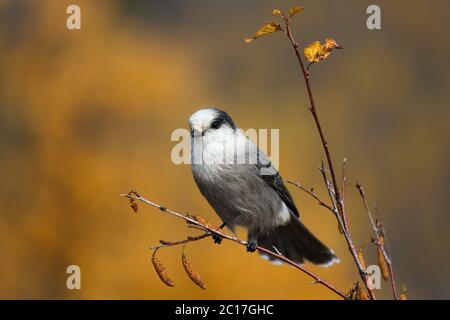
210	122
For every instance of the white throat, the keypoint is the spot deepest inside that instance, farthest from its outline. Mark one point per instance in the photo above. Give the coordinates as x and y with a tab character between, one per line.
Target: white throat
222	146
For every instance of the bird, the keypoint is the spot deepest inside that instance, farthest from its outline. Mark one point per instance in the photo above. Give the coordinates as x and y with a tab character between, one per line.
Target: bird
245	189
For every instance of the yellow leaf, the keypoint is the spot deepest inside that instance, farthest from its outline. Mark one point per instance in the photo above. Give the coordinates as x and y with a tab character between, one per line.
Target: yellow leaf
276	12
264	30
316	51
293	11
312	51
331	44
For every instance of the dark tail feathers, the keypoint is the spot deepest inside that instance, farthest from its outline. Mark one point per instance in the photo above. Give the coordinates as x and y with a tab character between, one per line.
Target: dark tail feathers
297	243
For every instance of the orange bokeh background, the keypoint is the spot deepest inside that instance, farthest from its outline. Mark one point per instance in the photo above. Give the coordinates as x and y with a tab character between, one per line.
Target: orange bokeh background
86	115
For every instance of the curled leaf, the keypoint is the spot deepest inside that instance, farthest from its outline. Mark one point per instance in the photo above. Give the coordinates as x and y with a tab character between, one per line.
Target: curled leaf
161	271
316	51
193	275
264	30
276	12
293	11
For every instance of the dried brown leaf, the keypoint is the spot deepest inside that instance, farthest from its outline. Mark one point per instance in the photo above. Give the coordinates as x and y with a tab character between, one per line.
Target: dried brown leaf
161	271
193	275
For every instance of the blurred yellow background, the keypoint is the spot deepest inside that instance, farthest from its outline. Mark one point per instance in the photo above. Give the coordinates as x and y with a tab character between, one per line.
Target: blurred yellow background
87	114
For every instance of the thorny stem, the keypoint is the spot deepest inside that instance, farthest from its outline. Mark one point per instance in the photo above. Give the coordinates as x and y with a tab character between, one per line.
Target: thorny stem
378	230
337	195
133	195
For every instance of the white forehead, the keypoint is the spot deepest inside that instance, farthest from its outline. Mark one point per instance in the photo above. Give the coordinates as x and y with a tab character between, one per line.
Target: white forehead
203	117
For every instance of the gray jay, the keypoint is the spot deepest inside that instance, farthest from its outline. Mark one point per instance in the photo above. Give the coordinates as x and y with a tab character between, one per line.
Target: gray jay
240	183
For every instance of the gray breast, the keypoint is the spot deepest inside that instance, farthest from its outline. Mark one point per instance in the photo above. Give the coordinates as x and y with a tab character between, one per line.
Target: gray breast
238	194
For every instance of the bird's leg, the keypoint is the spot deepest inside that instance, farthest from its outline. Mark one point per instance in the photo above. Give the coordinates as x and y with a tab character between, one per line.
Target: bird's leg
218	239
252	241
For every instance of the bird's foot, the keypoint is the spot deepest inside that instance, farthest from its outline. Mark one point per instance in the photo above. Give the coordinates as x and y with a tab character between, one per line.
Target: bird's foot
251	245
217	239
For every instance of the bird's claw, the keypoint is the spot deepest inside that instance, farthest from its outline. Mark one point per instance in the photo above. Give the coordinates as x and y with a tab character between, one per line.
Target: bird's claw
217	239
251	245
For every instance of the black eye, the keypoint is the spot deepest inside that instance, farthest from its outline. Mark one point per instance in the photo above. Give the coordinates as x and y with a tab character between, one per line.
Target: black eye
216	124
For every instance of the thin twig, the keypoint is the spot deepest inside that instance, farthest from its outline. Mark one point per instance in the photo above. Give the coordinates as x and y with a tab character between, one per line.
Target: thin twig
337	194
379	232
313	195
164	243
329	188
135	196
344	216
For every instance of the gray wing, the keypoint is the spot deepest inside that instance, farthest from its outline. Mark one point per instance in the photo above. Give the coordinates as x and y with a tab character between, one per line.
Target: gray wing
270	175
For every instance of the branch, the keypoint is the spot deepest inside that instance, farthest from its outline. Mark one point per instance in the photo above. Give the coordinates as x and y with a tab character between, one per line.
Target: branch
164	243
380	240
210	230
344	178
313	195
337	195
